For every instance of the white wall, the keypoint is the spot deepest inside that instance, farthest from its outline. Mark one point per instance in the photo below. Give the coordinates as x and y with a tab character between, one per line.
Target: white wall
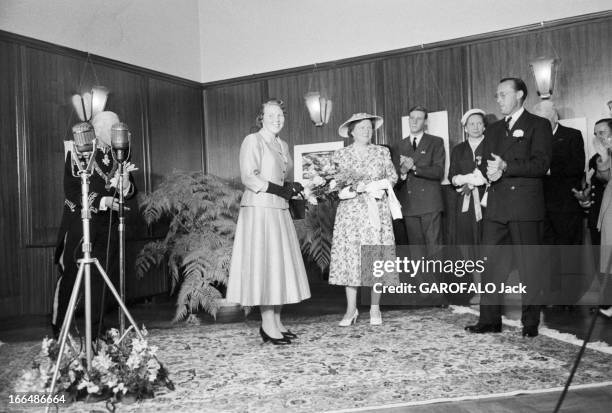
162	35
207	40
244	37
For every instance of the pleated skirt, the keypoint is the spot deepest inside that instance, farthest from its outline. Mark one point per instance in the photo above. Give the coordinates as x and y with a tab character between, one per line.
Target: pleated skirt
267	266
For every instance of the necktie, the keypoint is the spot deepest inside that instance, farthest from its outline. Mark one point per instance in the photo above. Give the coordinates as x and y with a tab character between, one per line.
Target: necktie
414	144
508	119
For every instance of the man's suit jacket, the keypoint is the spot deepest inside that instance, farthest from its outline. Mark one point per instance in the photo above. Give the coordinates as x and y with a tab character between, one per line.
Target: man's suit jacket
566	170
598	186
420	193
527	149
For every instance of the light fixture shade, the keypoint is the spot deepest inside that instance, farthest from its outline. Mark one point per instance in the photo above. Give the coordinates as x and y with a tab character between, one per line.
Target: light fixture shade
319	108
99	94
544	71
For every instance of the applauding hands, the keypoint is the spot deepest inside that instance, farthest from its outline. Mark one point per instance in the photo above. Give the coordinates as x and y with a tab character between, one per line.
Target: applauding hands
495	168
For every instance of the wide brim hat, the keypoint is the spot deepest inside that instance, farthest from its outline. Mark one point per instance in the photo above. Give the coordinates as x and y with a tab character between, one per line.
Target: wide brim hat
469	113
343	129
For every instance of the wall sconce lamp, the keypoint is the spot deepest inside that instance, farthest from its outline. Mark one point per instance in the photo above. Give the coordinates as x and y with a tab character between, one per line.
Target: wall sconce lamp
544	71
319	107
89	104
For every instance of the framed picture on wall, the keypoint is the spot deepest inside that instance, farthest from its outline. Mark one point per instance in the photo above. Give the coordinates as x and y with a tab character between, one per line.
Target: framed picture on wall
312	159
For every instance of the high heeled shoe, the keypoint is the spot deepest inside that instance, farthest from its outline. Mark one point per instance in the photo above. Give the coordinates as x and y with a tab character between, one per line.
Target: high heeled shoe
289	334
346	322
606	311
375	318
275	341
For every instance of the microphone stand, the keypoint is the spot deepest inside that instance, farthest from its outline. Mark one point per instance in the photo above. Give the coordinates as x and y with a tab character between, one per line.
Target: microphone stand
85	271
121	246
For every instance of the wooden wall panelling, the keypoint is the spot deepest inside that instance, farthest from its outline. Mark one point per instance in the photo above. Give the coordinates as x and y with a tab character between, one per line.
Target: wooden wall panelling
9	178
584	79
175	119
352	90
231	114
49	81
38	277
433	79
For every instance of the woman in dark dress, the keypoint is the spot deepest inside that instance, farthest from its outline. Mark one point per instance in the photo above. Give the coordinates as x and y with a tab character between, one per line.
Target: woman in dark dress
469	184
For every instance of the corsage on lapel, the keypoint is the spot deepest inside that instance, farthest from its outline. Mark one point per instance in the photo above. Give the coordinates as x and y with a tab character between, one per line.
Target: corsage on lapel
519	134
478	160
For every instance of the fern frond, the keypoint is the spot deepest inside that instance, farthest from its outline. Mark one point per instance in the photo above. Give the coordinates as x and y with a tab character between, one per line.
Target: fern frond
151	255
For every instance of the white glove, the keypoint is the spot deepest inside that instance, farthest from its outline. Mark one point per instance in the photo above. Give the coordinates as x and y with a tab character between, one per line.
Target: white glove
377	194
379	185
476	178
494	176
346	193
459	180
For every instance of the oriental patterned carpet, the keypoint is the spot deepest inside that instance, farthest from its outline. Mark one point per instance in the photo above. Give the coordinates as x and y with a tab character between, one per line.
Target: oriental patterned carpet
417	355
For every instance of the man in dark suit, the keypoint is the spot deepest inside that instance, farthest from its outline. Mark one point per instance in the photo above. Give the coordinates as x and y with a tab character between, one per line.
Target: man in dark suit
518	150
563	224
419	159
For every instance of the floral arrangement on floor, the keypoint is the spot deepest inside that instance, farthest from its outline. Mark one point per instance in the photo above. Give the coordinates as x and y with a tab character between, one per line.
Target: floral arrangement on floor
123	369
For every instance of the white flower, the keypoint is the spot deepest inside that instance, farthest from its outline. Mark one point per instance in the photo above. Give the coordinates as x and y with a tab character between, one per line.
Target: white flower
518	133
332	184
133	361
102	361
109	380
91	387
153	350
318	181
152	368
120	387
139	345
313	200
45	346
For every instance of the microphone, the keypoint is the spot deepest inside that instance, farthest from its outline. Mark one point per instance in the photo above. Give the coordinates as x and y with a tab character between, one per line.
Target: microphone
84	136
120	141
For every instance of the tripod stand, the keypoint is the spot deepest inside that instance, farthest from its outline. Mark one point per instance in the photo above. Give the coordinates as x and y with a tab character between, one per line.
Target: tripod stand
84	271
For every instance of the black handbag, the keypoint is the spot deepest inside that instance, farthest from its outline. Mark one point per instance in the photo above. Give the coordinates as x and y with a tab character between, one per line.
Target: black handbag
297	207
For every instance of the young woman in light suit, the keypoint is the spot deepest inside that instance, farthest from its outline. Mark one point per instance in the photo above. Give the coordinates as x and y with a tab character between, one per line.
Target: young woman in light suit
267	269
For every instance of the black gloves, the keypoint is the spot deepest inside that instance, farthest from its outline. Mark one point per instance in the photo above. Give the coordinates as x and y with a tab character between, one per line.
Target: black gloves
286	191
297	187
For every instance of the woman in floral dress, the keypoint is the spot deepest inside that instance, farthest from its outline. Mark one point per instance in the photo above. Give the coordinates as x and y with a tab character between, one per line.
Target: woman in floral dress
363	216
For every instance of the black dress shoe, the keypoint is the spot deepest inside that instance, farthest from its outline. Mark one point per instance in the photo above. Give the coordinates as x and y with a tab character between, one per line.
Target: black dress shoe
275	341
530	332
479	328
289	334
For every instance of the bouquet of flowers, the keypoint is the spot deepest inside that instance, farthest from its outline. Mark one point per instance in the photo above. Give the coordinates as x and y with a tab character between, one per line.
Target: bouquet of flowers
328	182
122	367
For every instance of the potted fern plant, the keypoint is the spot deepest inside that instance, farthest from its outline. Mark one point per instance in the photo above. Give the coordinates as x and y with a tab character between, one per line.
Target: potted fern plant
202	211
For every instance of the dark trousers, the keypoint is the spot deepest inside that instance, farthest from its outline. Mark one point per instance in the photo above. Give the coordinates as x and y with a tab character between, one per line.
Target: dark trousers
72	252
517	240
561	231
424	234
563	228
425	230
